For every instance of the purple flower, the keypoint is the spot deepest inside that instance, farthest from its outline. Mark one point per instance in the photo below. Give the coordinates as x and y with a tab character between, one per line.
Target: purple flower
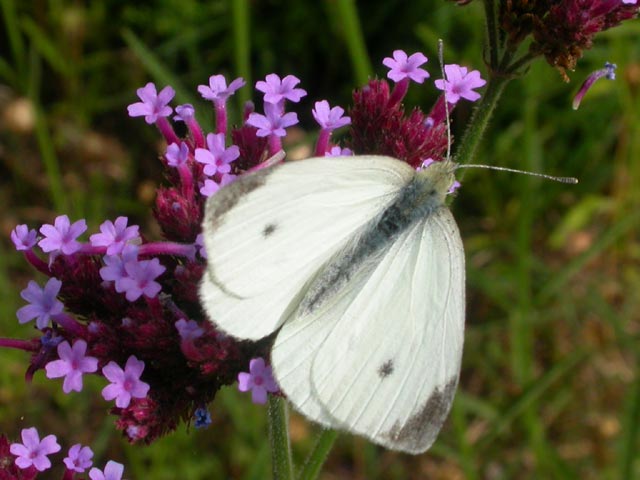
276	90
115	235
112	471
78	458
200	238
337	151
216	158
126	383
630	2
402	67
189	330
259	380
460	83
329	118
140	279
61	236
23	238
211	186
177	154
217	91
114	270
273	123
72	365
43	303
33	451
202	418
608	72
153	104
184	112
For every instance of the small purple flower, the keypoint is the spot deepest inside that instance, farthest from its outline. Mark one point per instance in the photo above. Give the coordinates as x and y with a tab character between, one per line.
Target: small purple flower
273	123
33	451
189	330
217	91
202	418
630	2
211	186
112	471
460	83
329	118
337	151
200	238
276	90
608	72
79	458
43	303
114	270
126	383
177	154
402	67
216	157
72	365
184	113
153	104
259	380
23	238
115	235
140	279
61	236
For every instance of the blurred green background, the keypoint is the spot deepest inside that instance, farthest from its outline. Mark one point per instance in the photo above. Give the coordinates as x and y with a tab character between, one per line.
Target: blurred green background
549	386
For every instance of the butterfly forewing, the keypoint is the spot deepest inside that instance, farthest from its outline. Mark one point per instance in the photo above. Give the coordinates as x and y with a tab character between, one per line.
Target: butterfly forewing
268	233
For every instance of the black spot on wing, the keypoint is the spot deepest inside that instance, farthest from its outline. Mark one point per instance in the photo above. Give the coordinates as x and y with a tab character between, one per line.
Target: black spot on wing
419	431
269	229
386	369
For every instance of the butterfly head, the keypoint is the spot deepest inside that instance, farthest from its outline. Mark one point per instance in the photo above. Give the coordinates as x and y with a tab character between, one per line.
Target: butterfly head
439	176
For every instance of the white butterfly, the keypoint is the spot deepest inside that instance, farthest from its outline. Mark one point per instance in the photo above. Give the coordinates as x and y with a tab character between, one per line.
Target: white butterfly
358	266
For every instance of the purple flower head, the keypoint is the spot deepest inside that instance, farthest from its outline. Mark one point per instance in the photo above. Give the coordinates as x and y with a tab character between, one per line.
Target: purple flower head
460	83
217	91
33	451
216	157
115	235
153	104
184	113
402	67
140	279
43	303
211	186
337	151
259	380
125	384
273	123
72	365
329	118
61	236
79	458
177	154
112	471
23	238
276	90
189	330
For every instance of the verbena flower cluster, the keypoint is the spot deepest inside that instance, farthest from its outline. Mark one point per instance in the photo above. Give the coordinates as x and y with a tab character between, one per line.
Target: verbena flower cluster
125	307
561	30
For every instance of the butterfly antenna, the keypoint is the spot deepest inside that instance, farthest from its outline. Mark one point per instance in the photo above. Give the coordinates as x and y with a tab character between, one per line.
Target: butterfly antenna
571	180
444	92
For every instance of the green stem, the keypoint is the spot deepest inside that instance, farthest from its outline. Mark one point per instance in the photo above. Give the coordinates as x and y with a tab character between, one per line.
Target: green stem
354	38
318	455
480	119
281	464
242	44
492	32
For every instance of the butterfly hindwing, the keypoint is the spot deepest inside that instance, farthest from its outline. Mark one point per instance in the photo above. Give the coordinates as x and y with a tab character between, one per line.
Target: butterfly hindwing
381	358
